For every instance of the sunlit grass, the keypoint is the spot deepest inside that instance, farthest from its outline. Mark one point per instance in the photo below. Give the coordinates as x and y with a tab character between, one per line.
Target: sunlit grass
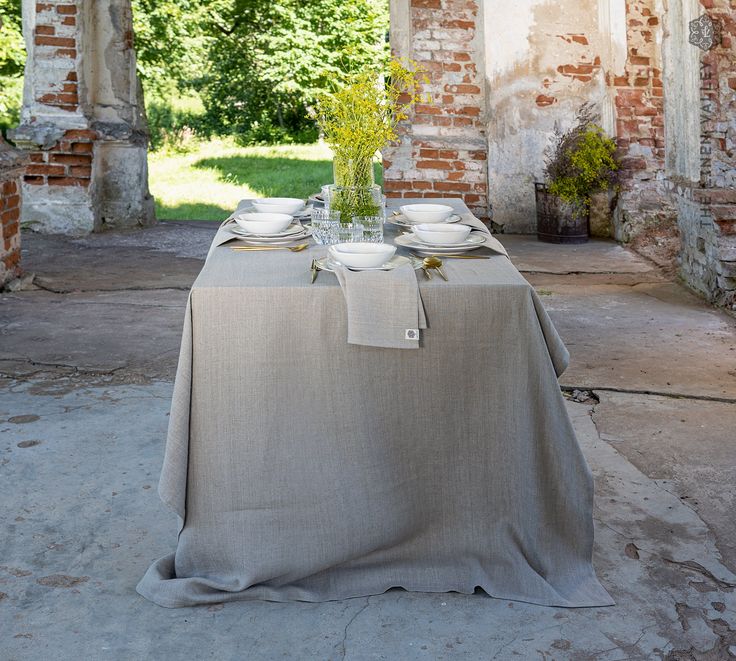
207	182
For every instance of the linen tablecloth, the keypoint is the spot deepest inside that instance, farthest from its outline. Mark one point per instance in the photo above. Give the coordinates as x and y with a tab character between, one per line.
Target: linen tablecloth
305	468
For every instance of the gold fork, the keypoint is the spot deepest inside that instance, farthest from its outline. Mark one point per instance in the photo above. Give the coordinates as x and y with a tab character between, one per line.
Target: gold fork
298	248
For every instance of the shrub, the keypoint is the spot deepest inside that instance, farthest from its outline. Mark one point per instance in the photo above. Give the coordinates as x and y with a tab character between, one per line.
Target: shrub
581	161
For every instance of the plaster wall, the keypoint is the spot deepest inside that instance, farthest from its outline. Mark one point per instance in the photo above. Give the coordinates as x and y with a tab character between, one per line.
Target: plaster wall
681	75
543	60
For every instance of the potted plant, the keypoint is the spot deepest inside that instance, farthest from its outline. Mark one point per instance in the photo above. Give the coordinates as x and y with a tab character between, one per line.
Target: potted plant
358	120
578	163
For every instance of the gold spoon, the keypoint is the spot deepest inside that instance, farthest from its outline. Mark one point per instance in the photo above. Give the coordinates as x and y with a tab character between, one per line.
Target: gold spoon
434	263
298	248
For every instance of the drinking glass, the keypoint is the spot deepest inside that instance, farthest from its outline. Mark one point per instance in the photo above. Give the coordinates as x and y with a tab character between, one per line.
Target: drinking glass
349	233
324	226
372	228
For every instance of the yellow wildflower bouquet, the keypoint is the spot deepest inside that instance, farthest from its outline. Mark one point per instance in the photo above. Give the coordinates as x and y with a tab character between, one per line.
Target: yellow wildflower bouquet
360	119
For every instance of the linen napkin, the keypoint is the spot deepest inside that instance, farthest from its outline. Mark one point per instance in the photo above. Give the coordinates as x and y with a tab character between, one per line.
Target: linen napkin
492	242
384	308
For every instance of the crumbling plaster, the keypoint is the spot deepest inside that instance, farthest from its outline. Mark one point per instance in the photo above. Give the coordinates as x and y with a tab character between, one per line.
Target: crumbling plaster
543	61
83	119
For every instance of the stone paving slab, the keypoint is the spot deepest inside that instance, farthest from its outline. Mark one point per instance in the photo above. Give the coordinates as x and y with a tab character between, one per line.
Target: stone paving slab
649	338
687	445
96	332
63	265
81	522
596	256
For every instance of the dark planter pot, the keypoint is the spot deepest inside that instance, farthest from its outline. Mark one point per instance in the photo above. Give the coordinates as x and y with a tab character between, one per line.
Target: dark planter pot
556	222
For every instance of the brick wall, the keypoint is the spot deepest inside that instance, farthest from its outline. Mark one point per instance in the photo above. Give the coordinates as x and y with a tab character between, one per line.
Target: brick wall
69	161
707	208
11	171
640	124
443	152
10	220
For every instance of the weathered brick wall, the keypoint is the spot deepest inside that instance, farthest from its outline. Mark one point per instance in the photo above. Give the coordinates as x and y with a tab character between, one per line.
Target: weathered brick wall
68	162
707	207
11	173
443	150
640	124
81	119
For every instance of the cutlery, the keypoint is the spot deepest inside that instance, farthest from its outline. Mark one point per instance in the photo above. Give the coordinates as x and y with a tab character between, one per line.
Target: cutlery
457	256
298	248
315	270
434	263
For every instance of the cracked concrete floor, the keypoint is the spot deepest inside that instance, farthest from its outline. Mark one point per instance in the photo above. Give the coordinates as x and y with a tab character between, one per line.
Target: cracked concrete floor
86	364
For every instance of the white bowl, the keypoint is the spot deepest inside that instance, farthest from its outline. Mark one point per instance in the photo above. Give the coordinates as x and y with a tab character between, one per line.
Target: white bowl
288	205
263	223
362	255
426	213
442	233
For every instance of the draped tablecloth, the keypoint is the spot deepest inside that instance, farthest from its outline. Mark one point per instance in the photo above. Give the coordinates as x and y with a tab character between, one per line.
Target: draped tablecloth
304	468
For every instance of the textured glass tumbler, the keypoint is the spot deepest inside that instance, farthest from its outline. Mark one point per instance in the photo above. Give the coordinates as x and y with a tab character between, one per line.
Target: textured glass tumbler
324	226
349	233
372	228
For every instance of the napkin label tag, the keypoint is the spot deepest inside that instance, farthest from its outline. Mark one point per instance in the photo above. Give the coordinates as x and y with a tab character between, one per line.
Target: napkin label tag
412	334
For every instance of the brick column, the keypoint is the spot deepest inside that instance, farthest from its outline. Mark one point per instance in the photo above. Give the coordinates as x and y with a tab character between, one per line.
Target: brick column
12	164
82	119
443	150
707	201
639	99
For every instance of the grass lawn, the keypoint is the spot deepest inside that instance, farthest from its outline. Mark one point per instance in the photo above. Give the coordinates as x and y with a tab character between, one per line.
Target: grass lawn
208	181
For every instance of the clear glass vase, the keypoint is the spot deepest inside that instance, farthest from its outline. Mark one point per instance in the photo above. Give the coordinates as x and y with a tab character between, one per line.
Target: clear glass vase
354	192
354	201
353	172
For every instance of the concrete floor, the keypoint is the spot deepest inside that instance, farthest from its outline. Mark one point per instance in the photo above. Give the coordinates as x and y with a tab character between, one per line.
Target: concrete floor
86	365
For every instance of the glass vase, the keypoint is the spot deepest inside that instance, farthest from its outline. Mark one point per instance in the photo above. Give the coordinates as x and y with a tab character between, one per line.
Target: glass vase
354	192
355	201
353	172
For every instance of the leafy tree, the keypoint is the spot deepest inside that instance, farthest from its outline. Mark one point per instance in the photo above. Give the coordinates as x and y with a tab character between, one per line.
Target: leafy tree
171	41
12	60
273	58
12	47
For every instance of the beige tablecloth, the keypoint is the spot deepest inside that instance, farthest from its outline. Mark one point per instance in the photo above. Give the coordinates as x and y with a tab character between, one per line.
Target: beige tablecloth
305	468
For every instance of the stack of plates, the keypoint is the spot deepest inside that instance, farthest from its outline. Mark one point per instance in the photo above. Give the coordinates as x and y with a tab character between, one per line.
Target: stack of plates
474	241
402	221
330	264
304	214
294	232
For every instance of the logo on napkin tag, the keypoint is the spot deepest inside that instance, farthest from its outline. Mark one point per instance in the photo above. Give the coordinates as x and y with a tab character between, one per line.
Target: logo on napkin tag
412	334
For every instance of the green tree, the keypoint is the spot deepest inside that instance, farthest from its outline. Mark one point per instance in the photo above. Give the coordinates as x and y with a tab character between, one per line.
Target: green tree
171	41
12	61
269	60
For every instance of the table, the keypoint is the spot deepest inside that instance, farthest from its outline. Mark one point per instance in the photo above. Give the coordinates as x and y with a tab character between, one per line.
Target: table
304	468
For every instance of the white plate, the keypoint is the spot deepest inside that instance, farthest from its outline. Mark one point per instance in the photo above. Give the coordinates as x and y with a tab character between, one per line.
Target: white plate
475	240
306	212
294	228
402	221
329	264
278	241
